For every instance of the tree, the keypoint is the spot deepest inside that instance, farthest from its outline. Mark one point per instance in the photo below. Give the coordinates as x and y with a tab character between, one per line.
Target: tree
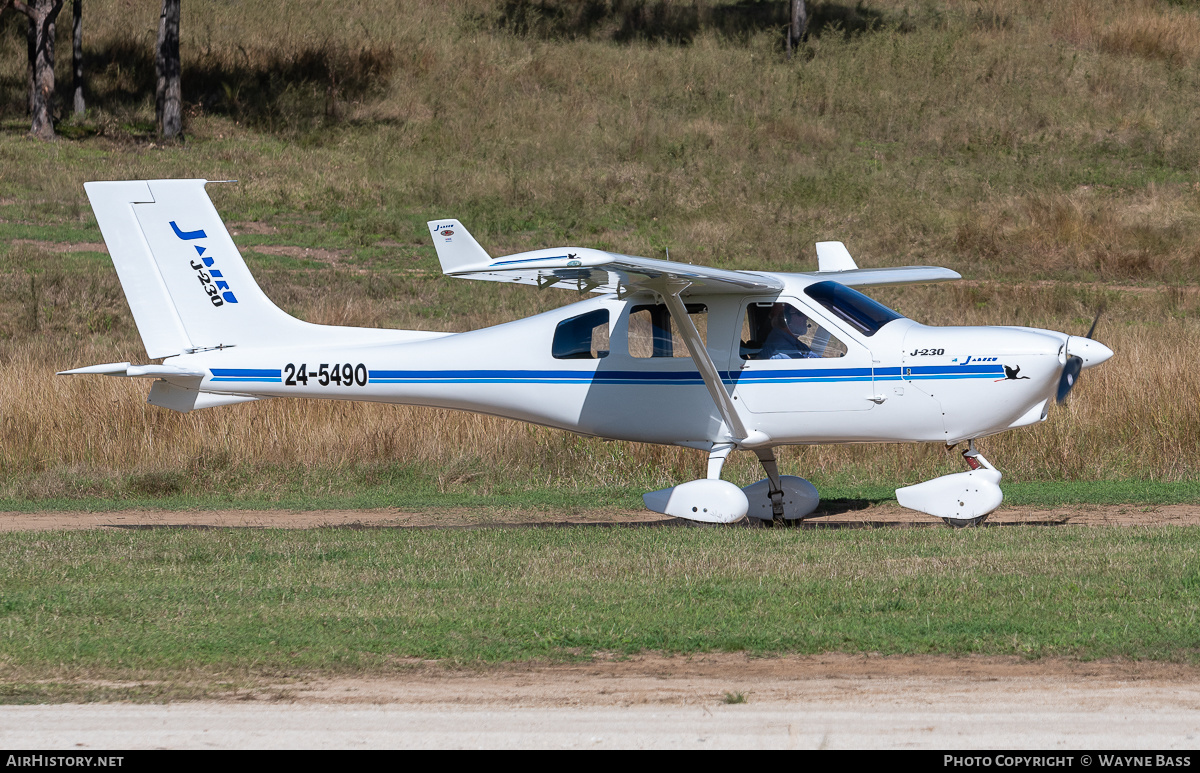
797	26
77	53
168	100
42	15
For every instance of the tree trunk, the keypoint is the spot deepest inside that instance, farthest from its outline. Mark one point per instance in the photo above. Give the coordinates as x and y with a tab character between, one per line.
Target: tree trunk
31	51
798	25
168	100
77	54
40	40
43	70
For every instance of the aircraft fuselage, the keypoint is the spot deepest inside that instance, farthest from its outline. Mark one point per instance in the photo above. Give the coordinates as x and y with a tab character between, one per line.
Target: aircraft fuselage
906	382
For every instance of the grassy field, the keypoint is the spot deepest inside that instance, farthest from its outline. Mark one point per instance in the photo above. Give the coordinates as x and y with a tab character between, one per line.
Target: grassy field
1048	152
1010	140
136	604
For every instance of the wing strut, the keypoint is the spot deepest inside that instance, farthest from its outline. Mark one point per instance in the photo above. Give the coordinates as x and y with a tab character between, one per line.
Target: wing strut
708	370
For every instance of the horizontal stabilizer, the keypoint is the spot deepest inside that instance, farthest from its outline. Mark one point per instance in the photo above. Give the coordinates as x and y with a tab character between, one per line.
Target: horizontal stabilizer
133	371
184	400
107	369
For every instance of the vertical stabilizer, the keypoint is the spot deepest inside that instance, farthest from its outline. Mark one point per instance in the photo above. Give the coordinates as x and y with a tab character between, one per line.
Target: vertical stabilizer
185	280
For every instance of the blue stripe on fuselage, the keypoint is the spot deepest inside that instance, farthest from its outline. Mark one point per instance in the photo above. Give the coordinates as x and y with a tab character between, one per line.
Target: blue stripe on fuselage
791	375
631	377
259	375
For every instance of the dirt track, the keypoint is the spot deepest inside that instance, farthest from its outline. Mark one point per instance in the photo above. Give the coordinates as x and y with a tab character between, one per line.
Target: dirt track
831	701
828	701
850	516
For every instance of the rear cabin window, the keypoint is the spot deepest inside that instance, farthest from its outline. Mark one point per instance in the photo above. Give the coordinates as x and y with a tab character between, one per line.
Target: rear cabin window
652	332
582	338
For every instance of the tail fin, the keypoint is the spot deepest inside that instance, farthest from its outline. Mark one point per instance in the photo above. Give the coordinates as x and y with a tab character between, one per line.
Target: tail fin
185	280
456	248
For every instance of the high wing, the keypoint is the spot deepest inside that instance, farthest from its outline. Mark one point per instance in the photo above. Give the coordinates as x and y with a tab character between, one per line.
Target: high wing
834	262
583	269
589	270
879	277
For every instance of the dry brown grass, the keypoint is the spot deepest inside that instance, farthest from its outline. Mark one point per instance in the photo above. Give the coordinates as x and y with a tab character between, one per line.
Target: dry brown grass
68	436
891	140
1009	139
1171	34
1142	28
1089	234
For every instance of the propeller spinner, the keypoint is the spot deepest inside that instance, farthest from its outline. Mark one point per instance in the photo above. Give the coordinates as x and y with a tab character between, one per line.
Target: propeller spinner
1082	352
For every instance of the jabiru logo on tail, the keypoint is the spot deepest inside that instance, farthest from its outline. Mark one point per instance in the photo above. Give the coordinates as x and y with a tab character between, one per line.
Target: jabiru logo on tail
218	290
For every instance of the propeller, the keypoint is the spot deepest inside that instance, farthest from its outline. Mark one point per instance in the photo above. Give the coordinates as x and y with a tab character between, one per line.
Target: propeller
1070	375
1075	363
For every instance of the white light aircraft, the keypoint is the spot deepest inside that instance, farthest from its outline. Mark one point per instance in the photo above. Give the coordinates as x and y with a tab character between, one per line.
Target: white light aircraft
663	352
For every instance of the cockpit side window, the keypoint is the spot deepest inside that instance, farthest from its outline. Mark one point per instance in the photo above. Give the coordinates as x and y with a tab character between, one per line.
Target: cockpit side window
864	314
652	332
780	331
582	338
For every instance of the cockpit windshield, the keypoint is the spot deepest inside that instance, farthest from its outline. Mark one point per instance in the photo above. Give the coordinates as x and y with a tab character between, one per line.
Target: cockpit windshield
862	313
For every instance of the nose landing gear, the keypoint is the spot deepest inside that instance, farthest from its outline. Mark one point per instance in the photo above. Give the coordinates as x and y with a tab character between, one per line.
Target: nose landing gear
963	499
975	461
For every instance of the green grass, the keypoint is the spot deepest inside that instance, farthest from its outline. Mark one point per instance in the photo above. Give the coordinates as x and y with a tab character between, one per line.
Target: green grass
410	490
66	232
332	600
350	497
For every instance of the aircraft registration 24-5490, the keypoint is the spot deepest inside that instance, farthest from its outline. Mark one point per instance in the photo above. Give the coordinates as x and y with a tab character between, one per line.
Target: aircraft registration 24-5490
662	352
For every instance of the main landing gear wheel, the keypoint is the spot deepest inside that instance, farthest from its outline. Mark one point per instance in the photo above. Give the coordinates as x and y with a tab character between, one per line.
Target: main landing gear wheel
966	523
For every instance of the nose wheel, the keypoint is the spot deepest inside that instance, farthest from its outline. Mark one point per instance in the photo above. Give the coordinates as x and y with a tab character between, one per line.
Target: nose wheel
962	499
971	457
965	523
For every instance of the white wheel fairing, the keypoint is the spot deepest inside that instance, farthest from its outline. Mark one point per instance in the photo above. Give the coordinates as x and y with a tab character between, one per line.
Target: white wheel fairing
705	500
961	496
800	498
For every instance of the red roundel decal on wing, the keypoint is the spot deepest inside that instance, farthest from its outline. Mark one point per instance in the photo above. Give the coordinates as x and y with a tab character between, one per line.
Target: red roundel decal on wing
448	232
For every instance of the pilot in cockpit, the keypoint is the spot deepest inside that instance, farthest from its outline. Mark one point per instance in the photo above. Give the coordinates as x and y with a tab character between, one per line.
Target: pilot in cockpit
788	325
